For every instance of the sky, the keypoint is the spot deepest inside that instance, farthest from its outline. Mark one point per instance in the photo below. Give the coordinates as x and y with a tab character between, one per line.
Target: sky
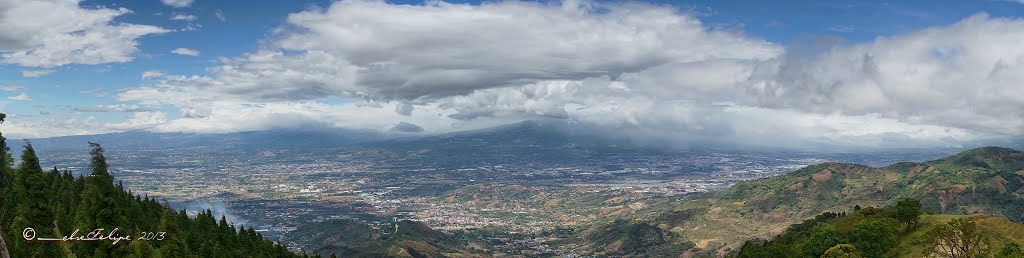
872	74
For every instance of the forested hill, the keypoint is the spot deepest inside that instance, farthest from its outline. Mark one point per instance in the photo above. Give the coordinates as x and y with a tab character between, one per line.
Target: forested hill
56	203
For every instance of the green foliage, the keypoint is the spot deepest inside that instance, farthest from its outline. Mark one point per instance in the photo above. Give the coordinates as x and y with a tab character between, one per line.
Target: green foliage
822	238
842	251
1011	250
870	232
874	237
908	212
767	249
960	238
55	203
30	190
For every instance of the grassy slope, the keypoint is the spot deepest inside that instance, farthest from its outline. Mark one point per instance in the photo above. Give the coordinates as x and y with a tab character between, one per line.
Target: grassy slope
348	238
980	181
1005	231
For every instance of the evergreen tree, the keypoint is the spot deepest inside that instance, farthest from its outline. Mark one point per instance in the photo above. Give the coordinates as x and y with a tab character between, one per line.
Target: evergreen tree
173	244
55	203
97	207
30	189
6	200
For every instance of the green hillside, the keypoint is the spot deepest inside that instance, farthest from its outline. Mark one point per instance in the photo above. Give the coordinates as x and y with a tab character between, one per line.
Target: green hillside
350	238
1003	232
893	232
628	238
988	181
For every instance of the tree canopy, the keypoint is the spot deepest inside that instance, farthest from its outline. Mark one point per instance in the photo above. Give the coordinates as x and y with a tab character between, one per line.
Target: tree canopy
55	203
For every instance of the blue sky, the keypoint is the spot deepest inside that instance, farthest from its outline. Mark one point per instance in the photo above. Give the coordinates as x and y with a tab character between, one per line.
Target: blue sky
221	31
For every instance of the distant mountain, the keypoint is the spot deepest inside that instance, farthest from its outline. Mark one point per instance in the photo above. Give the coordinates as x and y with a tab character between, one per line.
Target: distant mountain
529	140
543	141
988	181
136	140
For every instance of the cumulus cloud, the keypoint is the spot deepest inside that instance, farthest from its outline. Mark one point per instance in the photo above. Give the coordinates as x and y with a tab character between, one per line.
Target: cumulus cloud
648	72
36	73
177	3
62	32
390	51
185	51
20	97
966	75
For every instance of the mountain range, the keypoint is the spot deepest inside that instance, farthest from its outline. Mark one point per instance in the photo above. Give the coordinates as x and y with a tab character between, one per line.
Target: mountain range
985	185
527	140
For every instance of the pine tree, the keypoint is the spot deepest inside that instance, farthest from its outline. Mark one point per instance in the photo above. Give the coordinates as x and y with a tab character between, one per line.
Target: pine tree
30	190
55	203
6	202
173	244
97	208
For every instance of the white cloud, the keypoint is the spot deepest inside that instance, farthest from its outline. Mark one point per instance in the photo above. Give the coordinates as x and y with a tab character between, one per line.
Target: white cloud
139	120
99	92
36	73
177	3
11	88
380	50
183	17
185	51
152	74
840	29
61	33
648	72
113	108
52	126
20	97
966	75
220	16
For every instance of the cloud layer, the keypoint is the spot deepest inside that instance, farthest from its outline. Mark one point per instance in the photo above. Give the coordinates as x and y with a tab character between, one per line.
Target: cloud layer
652	73
423	52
